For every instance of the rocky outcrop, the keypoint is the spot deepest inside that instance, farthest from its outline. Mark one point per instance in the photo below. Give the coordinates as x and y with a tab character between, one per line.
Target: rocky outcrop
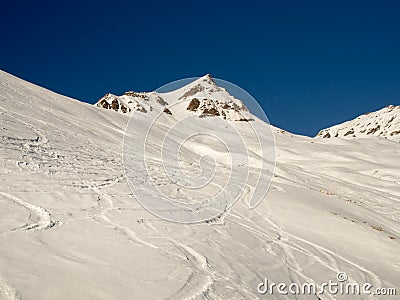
202	97
167	111
194	104
124	104
382	123
228	110
210	112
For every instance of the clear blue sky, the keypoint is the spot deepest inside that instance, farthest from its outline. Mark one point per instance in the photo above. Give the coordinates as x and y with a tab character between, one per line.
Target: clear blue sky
310	64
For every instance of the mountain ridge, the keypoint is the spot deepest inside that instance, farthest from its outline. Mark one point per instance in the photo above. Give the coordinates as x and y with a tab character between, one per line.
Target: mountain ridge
205	98
202	97
384	123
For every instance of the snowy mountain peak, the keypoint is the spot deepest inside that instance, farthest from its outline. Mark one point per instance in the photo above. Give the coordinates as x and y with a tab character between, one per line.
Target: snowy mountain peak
382	123
202	97
208	79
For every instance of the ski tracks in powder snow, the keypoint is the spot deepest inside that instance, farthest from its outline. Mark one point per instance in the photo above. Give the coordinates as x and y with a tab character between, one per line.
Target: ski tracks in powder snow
290	244
39	218
201	277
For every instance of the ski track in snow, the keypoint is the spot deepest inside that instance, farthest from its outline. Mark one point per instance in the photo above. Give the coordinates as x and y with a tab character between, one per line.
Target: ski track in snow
86	158
42	220
103	215
290	243
201	278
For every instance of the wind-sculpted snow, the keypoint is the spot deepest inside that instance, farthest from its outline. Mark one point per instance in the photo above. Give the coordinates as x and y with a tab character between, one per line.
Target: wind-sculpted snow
333	205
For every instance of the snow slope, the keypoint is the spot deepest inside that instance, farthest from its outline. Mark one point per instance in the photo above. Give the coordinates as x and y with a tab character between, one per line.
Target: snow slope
383	123
71	229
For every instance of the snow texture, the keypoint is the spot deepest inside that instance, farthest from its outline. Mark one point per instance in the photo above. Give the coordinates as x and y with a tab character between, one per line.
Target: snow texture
71	229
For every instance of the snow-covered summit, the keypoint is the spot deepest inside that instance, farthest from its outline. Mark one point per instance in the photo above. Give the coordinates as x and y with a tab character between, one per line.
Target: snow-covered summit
382	123
202	97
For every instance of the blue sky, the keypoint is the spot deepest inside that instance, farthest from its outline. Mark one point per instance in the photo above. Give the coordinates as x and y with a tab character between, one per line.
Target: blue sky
310	64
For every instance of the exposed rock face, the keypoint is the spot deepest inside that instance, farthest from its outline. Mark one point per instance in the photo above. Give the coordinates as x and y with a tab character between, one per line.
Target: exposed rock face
395	132
161	101
351	131
194	104
327	135
228	110
130	101
382	123
373	130
203	96
104	104
115	104
212	112
137	95
167	111
206	83
194	90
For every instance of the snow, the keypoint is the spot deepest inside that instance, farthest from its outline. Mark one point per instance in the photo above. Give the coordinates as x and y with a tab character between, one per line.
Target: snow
333	206
384	123
212	101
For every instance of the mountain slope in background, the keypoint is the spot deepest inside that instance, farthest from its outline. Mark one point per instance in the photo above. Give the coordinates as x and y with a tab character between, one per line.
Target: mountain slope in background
71	229
202	97
383	123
